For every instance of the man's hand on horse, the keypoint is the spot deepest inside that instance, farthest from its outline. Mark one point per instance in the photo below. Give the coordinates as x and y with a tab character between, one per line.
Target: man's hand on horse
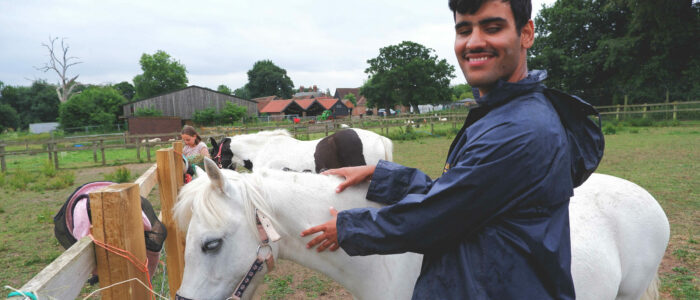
329	238
353	175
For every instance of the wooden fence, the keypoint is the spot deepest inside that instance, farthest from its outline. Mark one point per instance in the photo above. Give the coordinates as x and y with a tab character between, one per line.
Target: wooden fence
98	144
116	222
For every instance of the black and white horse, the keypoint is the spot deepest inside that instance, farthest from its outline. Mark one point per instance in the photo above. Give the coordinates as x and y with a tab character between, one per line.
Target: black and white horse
277	149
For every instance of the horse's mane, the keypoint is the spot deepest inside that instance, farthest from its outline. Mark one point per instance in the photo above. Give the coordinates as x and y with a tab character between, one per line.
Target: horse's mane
200	198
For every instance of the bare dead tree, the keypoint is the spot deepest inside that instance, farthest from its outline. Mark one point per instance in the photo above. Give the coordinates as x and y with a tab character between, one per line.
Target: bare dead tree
60	62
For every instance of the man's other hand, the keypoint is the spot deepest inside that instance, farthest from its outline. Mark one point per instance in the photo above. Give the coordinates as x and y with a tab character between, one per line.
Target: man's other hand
353	175
329	237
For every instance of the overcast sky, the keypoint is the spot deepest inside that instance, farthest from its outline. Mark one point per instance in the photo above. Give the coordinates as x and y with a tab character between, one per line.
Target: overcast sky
324	43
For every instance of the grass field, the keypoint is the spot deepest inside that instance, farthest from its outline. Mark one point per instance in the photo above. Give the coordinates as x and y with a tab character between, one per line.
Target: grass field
664	160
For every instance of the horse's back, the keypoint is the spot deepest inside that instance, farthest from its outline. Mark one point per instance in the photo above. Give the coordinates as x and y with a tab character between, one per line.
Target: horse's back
375	146
619	234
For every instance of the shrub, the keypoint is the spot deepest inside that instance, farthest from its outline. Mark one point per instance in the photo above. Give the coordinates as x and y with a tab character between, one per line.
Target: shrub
61	181
609	129
120	175
148	112
21	180
47	169
640	122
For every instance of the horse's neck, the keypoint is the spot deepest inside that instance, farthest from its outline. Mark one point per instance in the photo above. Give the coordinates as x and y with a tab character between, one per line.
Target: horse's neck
303	201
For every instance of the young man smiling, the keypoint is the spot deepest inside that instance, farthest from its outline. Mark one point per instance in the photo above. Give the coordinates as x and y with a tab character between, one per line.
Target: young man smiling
495	225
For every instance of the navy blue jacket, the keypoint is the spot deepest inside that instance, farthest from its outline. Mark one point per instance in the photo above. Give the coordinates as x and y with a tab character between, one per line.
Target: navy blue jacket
495	225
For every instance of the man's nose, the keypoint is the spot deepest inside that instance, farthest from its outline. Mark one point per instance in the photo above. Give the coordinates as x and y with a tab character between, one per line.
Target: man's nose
476	40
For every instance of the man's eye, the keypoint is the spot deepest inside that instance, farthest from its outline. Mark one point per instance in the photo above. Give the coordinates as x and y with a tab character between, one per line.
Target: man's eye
493	29
464	32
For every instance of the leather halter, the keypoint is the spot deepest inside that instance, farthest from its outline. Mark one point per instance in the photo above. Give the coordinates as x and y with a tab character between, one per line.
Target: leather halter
267	234
218	156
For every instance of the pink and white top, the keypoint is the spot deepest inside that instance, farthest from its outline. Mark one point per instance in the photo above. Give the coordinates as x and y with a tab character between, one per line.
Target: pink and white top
194	151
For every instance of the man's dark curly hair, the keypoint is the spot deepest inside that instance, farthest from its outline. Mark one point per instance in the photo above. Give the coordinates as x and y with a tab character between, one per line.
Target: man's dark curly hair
522	9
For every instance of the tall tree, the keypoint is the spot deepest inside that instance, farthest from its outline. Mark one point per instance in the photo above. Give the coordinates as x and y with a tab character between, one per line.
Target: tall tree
606	50
59	62
409	74
462	91
34	104
222	88
267	79
94	106
242	92
126	89
161	74
352	98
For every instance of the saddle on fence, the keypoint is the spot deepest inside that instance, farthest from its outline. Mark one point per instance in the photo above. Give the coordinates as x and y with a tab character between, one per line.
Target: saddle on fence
73	221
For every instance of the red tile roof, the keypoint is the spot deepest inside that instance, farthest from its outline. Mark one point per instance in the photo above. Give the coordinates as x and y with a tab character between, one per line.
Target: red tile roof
327	103
262	104
348	103
267	98
276	106
304	103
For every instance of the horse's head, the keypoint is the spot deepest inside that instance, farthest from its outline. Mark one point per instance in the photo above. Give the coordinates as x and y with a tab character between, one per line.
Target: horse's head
222	239
221	153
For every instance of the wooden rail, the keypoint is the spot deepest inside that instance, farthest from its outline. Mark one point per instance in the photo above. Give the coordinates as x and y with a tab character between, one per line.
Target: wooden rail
116	212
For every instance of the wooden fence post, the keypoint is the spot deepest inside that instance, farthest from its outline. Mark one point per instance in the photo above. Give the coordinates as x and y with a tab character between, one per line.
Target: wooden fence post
102	149
179	164
117	222
54	147
94	152
167	186
644	111
138	149
148	151
617	110
3	166
675	110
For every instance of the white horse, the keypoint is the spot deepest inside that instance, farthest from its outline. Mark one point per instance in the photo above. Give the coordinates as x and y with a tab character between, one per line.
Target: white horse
277	149
619	235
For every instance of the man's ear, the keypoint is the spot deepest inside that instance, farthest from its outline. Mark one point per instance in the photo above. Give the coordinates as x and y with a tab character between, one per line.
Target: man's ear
527	35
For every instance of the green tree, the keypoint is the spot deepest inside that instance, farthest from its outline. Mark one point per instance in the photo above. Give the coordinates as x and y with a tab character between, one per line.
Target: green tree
232	113
34	104
242	93
351	97
126	89
94	106
267	79
604	50
462	91
224	89
409	74
8	118
161	74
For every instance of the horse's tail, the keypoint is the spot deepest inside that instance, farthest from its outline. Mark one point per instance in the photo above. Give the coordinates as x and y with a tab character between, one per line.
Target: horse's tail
388	148
652	292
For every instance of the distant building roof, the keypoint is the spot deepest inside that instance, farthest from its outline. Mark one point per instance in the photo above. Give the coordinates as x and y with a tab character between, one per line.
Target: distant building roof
348	103
327	103
304	103
340	93
276	106
266	98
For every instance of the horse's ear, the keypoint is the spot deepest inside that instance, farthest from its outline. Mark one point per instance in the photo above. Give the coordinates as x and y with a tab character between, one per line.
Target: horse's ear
214	173
213	143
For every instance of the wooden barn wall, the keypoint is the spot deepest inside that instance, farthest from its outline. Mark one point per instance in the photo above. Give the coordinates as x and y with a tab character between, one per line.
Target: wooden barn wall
184	103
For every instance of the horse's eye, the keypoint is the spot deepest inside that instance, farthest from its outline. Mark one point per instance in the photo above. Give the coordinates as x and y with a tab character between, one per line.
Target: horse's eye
212	245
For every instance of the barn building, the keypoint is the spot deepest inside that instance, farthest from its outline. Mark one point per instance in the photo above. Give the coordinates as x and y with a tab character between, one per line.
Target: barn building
183	103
